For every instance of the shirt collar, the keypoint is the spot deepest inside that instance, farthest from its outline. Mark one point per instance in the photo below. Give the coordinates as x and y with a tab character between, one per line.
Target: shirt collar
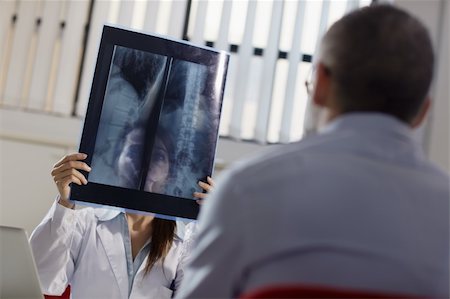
368	121
376	135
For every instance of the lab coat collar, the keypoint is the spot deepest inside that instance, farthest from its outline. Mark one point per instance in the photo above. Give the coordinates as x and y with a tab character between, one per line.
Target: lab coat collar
110	234
103	214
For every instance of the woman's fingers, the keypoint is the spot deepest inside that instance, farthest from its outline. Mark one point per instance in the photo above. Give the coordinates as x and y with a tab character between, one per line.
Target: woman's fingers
70	173
71	157
67	180
70	165
65	171
205	186
210	181
200	195
208	187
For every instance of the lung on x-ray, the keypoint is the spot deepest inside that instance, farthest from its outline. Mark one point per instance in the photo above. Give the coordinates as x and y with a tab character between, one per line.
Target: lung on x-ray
152	123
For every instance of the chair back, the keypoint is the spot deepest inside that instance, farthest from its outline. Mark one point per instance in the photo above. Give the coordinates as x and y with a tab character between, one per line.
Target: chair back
316	291
65	295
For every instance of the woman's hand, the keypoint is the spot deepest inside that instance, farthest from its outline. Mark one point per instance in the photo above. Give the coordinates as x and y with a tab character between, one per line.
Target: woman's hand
208	186
65	171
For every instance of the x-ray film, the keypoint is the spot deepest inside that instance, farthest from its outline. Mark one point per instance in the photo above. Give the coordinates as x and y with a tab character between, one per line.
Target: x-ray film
152	123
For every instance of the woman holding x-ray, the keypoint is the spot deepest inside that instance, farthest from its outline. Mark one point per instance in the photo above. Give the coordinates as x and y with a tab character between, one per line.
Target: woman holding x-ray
104	253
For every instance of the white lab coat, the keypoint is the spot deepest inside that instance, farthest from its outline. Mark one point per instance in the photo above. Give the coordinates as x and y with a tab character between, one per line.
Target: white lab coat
85	249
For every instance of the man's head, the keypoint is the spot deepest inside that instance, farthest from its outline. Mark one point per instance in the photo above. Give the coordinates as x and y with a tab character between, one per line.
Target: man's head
376	59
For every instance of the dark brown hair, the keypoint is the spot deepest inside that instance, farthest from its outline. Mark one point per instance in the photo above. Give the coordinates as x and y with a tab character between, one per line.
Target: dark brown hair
380	59
163	232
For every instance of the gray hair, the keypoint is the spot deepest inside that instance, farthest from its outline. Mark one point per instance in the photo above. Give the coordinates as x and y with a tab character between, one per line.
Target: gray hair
380	59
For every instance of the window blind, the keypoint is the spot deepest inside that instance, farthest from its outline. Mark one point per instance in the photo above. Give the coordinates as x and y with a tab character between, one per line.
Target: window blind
42	65
40	53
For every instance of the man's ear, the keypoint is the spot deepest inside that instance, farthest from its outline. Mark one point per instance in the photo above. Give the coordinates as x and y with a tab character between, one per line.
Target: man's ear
322	86
421	115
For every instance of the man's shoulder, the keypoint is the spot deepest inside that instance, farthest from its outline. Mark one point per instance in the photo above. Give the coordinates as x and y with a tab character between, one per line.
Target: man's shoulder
282	158
306	146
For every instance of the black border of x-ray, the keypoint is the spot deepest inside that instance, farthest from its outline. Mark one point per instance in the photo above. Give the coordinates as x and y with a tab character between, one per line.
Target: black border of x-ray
117	196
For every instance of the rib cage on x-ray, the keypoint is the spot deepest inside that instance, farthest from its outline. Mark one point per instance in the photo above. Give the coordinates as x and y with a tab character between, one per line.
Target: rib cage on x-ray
128	101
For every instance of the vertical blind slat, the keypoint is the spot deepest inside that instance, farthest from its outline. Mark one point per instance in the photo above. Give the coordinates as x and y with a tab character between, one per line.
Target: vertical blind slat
199	26
224	27
312	112
177	15
7	11
32	55
126	13
163	17
351	5
222	43
99	17
56	58
268	73
44	52
323	24
291	85
241	80
70	59
151	13
21	50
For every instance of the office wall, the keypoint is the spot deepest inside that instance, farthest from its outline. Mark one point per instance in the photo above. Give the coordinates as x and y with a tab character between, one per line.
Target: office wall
436	131
30	143
439	125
